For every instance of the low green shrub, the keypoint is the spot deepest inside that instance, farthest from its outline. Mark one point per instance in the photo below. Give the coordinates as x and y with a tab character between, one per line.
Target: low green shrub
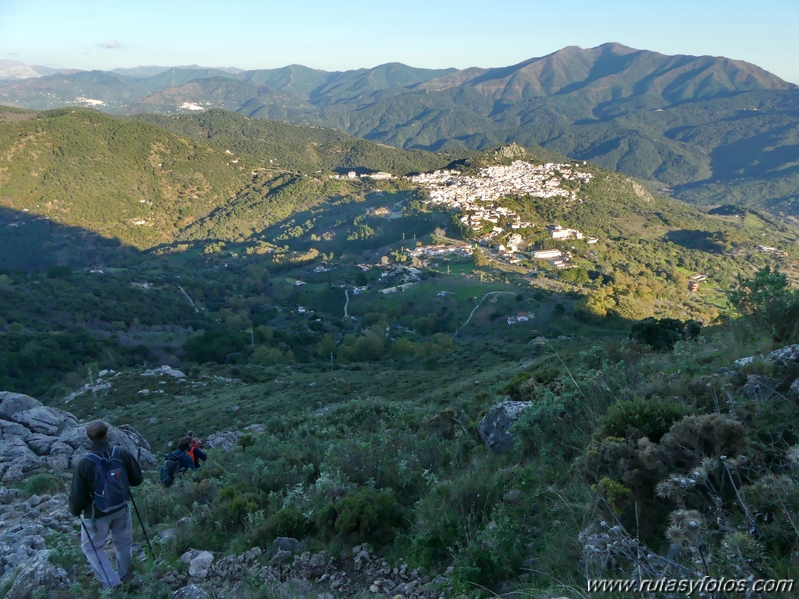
41	484
641	418
288	522
368	515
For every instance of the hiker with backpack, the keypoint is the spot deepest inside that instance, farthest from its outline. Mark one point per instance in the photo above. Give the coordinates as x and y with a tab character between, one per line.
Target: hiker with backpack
100	491
197	455
178	462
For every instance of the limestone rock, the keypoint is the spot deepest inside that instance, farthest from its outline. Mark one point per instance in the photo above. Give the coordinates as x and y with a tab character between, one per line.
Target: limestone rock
16	458
45	420
225	441
40	444
495	426
285	544
11	403
198	567
191	591
785	355
59	448
280	557
13	429
740	362
164	371
134	436
189	555
34	574
34	436
760	388
59	463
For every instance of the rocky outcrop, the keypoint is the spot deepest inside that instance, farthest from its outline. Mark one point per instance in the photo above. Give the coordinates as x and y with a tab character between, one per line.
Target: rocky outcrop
782	357
13	403
760	388
494	428
36	438
226	441
24	524
302	573
36	573
785	355
164	371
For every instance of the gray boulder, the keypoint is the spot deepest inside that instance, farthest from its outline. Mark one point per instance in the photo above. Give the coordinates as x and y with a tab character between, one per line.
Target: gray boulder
760	388
75	437
198	567
225	441
39	443
34	436
285	544
59	463
11	403
135	436
14	449
20	468
494	428
785	355
59	448
192	591
12	429
189	555
45	420
280	558
33	574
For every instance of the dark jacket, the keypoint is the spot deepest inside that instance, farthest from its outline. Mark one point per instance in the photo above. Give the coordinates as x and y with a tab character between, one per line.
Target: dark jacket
186	463
199	456
82	490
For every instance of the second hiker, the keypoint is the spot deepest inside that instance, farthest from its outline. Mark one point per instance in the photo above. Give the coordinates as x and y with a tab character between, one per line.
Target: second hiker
180	460
197	454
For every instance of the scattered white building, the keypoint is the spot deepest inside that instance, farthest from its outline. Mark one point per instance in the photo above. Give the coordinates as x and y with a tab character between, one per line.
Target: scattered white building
558	232
461	249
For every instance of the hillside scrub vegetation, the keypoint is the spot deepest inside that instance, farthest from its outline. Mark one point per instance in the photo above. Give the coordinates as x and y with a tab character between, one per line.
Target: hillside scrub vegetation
652	456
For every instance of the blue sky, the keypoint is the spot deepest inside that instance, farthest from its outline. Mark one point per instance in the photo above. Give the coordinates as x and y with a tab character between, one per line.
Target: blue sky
348	34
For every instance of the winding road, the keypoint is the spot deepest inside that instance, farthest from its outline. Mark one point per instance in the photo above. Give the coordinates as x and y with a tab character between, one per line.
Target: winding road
188	298
347	302
480	303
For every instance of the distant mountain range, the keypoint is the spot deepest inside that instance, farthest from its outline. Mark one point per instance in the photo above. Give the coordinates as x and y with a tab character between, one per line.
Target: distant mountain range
14	69
711	130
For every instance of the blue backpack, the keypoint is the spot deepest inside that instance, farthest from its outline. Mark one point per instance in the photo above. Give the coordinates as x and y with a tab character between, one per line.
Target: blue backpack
111	487
171	468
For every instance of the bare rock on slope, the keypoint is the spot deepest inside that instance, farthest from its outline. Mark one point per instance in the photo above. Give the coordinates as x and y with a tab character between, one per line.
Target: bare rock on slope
494	428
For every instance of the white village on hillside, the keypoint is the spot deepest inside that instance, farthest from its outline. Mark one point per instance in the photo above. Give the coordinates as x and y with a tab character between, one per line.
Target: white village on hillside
475	198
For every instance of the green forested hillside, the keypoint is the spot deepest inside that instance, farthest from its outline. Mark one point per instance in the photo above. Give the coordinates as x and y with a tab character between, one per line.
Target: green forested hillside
305	149
137	183
126	180
710	129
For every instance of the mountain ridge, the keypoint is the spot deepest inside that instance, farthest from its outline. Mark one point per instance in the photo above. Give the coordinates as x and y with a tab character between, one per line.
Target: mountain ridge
673	121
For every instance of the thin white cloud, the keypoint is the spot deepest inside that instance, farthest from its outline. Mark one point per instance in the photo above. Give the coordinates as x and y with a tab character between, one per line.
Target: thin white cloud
111	45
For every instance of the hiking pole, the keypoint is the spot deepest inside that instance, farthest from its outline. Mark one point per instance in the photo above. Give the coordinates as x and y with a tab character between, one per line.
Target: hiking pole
99	561
146	538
